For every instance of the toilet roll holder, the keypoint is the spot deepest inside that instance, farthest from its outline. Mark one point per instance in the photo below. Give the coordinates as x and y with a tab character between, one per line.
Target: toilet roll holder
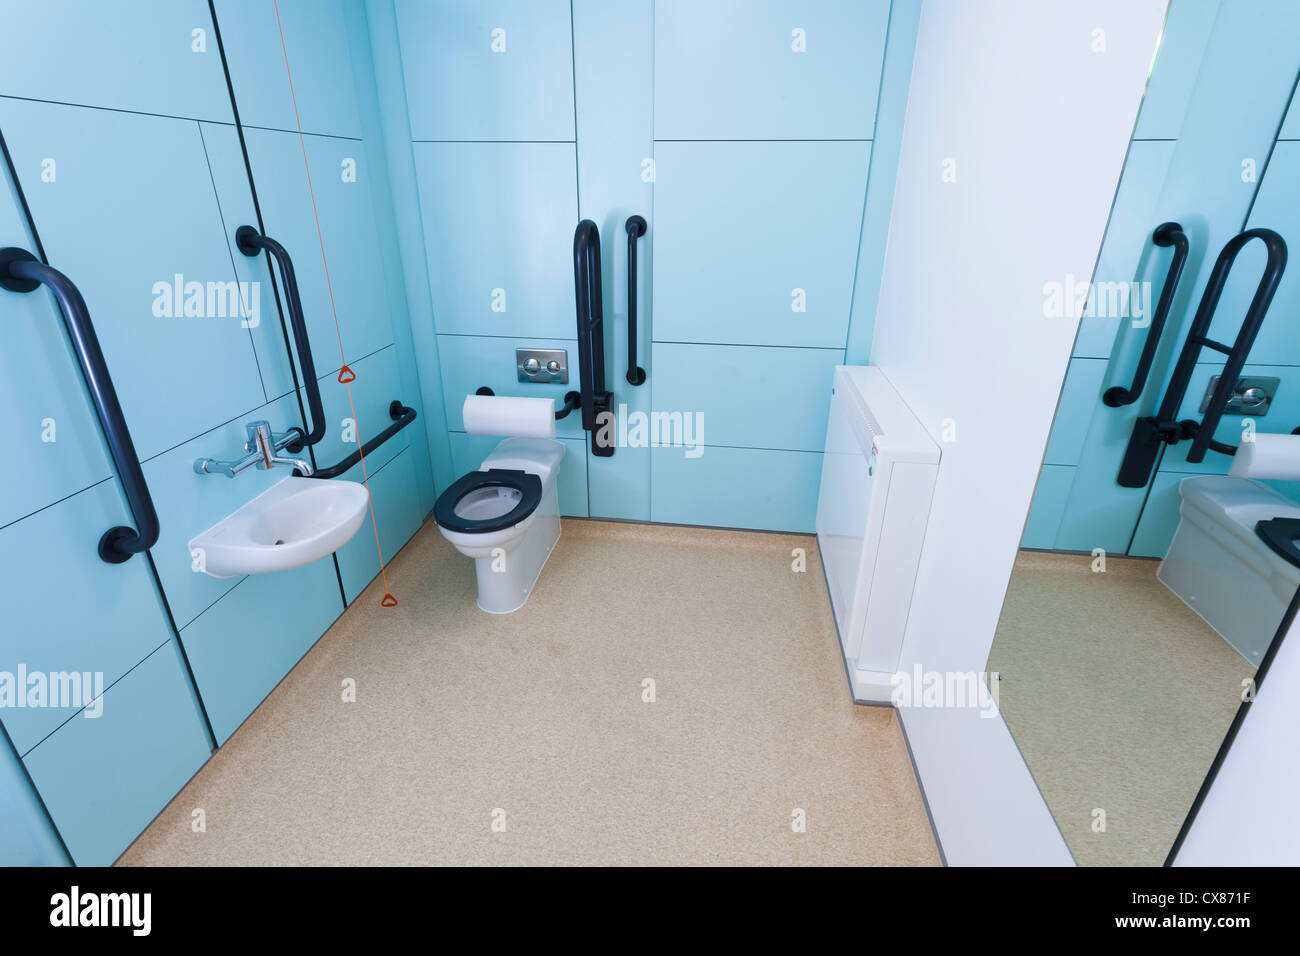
572	400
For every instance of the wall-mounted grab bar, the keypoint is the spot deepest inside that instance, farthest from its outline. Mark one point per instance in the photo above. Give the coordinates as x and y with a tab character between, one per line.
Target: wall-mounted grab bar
636	227
401	416
1166	234
1150	432
251	242
20	271
594	399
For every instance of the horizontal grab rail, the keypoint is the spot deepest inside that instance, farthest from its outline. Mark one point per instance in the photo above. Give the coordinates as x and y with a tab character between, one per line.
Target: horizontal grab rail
401	416
251	242
20	271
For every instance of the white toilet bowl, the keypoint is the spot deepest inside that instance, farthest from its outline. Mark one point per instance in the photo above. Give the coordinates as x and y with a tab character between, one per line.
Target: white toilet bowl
1220	567
506	516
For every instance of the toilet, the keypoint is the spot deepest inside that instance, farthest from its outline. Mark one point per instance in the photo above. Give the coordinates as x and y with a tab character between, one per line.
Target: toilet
506	516
1220	567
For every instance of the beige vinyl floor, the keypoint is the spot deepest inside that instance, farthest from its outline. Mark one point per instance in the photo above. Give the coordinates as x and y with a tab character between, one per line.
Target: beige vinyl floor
1118	696
537	722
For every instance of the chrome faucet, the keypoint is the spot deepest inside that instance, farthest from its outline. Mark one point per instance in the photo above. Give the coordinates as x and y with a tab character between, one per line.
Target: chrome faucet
262	446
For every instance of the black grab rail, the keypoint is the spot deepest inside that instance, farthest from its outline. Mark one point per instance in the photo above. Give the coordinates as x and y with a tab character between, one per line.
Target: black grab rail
251	243
636	227
594	400
1163	428
1166	234
401	415
20	271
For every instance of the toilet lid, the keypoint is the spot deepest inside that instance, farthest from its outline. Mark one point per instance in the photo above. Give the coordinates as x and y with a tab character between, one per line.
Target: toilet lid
491	500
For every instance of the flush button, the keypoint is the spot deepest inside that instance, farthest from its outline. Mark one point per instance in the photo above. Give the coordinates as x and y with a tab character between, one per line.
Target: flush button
542	366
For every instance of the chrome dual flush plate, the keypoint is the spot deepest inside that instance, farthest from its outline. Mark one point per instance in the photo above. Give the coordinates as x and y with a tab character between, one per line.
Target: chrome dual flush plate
543	366
1252	396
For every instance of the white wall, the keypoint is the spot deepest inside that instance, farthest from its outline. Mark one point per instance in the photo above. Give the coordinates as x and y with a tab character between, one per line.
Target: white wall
1036	124
1249	816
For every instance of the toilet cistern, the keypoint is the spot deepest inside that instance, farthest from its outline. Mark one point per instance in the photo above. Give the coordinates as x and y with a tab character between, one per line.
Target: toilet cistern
262	447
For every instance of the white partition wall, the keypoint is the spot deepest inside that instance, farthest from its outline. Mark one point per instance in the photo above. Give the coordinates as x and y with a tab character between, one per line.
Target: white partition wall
1018	119
1248	817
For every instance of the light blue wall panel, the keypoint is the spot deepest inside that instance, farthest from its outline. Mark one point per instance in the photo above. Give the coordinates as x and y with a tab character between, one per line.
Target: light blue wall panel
468	452
113	621
1079	396
736	488
376	386
887	141
386	111
1048	506
1188	24
498	222
347	223
741	227
749	396
111	188
104	779
316	44
1100	513
242	646
378	116
470	362
189	504
500	71
615	120
733	69
397	515
1277	207
112	55
26	836
257	298
1155	532
1128	255
42	387
1291	126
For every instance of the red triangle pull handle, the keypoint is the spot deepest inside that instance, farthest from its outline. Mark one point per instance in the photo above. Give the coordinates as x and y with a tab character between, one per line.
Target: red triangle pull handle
389	601
346	375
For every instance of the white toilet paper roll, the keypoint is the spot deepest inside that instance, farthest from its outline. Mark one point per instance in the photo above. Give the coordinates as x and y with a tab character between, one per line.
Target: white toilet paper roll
509	417
1268	456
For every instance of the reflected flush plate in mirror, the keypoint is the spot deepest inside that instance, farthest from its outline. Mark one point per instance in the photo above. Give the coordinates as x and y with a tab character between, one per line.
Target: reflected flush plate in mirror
290	524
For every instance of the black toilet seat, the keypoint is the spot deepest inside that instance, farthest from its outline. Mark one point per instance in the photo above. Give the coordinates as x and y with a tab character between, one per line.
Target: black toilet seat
530	496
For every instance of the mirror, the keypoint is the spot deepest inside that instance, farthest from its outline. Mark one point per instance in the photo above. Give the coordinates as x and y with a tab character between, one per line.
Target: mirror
1156	565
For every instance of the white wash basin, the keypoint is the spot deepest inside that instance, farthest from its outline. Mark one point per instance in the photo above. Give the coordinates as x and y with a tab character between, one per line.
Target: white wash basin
290	524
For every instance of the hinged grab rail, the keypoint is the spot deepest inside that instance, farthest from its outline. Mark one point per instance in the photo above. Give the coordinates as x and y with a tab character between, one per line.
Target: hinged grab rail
20	271
1151	431
595	400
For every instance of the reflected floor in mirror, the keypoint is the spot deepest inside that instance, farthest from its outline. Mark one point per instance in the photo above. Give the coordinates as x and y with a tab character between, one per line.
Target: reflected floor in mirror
1118	696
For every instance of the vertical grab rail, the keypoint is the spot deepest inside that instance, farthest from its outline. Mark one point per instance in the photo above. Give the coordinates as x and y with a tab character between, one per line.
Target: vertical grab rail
20	271
1166	234
1151	431
594	400
251	242
636	227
